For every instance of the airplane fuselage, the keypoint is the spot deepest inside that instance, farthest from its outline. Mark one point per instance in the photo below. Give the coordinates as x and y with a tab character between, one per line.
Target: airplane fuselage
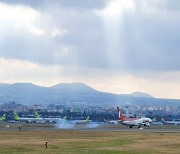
31	120
170	122
136	122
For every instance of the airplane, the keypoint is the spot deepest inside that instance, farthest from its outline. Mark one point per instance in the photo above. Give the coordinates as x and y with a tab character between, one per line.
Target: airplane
50	120
83	121
55	120
110	121
37	118
170	122
3	118
155	122
133	121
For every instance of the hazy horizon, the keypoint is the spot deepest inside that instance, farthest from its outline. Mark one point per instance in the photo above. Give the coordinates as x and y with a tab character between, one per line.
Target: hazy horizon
116	46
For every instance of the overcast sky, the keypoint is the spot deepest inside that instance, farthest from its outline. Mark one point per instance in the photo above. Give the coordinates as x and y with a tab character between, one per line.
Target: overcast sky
118	46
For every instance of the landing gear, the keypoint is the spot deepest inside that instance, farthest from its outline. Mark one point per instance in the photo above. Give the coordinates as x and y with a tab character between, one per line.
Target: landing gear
146	125
130	126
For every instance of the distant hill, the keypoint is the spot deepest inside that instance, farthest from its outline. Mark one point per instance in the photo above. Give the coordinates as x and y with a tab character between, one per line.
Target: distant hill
140	94
73	87
73	93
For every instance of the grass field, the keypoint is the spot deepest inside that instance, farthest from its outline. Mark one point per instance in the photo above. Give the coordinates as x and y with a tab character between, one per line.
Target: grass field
83	142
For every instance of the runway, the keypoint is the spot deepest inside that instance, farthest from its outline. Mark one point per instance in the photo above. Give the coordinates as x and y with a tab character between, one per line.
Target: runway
122	128
90	127
152	128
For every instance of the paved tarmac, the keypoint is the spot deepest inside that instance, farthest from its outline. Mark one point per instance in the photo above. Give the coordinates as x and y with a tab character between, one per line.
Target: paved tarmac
89	127
152	128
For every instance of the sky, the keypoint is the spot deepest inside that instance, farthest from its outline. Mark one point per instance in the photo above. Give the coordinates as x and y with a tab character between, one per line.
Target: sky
117	46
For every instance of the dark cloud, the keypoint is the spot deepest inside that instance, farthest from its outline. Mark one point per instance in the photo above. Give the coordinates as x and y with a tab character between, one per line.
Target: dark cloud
32	3
24	48
173	5
75	4
84	4
149	41
152	42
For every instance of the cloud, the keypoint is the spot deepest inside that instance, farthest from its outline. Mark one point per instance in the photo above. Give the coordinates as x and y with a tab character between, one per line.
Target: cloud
116	8
58	32
116	35
83	40
164	85
141	34
79	4
28	34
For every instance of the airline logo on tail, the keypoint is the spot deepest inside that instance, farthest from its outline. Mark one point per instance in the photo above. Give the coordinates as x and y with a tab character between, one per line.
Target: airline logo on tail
83	121
121	117
87	119
16	117
104	119
37	115
3	118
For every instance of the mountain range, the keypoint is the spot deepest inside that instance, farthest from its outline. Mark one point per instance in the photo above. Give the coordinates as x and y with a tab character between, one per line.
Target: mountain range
74	93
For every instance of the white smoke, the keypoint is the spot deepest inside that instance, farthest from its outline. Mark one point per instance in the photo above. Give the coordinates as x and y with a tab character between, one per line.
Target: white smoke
68	124
92	125
64	124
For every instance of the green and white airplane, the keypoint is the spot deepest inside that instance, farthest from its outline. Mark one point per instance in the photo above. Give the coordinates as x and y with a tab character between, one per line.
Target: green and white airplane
83	121
37	118
55	120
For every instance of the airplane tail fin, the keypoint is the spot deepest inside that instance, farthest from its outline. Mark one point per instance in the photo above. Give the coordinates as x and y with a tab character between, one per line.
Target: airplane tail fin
154	120
87	119
3	117
163	121
16	117
65	118
104	119
120	116
37	115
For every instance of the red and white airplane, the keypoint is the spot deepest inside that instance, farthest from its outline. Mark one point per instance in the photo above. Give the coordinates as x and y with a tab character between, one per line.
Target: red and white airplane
170	122
133	121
